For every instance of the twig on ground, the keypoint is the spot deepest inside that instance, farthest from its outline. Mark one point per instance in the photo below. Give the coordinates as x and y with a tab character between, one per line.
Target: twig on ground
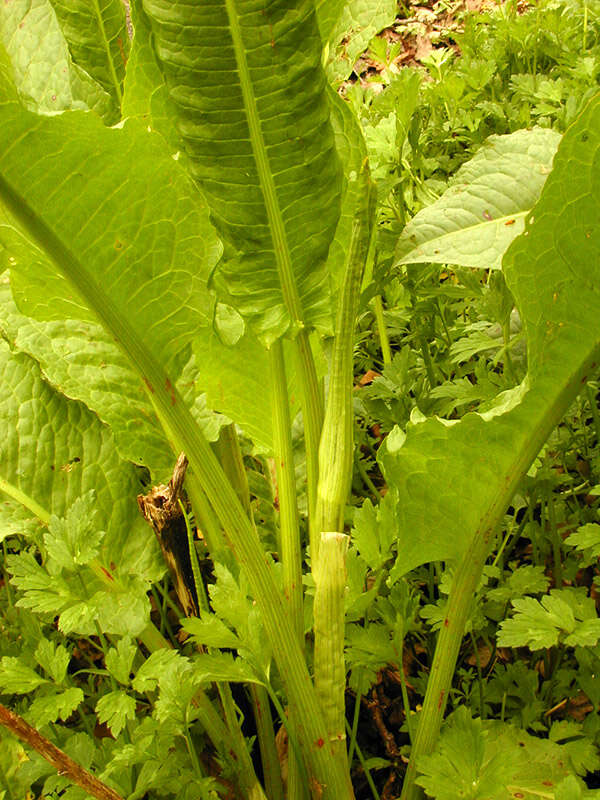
60	760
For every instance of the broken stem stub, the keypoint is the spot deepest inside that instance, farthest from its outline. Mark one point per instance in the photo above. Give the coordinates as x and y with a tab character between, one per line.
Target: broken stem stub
161	508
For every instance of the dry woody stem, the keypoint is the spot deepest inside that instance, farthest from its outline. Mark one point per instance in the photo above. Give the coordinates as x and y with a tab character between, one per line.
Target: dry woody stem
61	761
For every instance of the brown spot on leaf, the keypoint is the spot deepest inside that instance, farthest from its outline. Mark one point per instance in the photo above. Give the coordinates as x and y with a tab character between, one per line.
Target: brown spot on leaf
171	391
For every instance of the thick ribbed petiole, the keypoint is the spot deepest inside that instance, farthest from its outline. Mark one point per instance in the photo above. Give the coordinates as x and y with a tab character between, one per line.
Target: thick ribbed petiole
290	551
312	418
266	741
330	670
336	450
229	453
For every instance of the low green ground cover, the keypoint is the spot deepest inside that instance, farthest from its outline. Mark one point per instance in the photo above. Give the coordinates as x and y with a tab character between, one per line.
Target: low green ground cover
347	261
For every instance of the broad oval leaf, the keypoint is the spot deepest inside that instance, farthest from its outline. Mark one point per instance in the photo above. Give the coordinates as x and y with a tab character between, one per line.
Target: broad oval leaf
475	220
254	115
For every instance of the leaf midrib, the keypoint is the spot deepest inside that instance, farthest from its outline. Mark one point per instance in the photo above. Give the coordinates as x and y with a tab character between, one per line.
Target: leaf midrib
493	223
276	225
106	45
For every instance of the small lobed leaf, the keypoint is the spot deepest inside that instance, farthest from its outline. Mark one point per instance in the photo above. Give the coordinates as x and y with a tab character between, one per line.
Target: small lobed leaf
82	606
17	678
371	535
157	663
177	686
517	686
231	603
533	625
563	615
583	754
367	651
586	634
53	659
211	631
223	667
491	760
78	618
74	539
16	520
119	660
49	708
123	611
115	708
526	579
42	592
230	598
586	537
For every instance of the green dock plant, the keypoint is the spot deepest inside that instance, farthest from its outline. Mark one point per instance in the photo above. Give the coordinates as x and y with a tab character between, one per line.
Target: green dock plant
187	220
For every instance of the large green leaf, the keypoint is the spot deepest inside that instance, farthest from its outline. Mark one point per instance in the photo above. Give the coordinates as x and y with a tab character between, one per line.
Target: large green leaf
82	361
97	35
143	233
254	115
475	220
451	482
54	451
43	70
